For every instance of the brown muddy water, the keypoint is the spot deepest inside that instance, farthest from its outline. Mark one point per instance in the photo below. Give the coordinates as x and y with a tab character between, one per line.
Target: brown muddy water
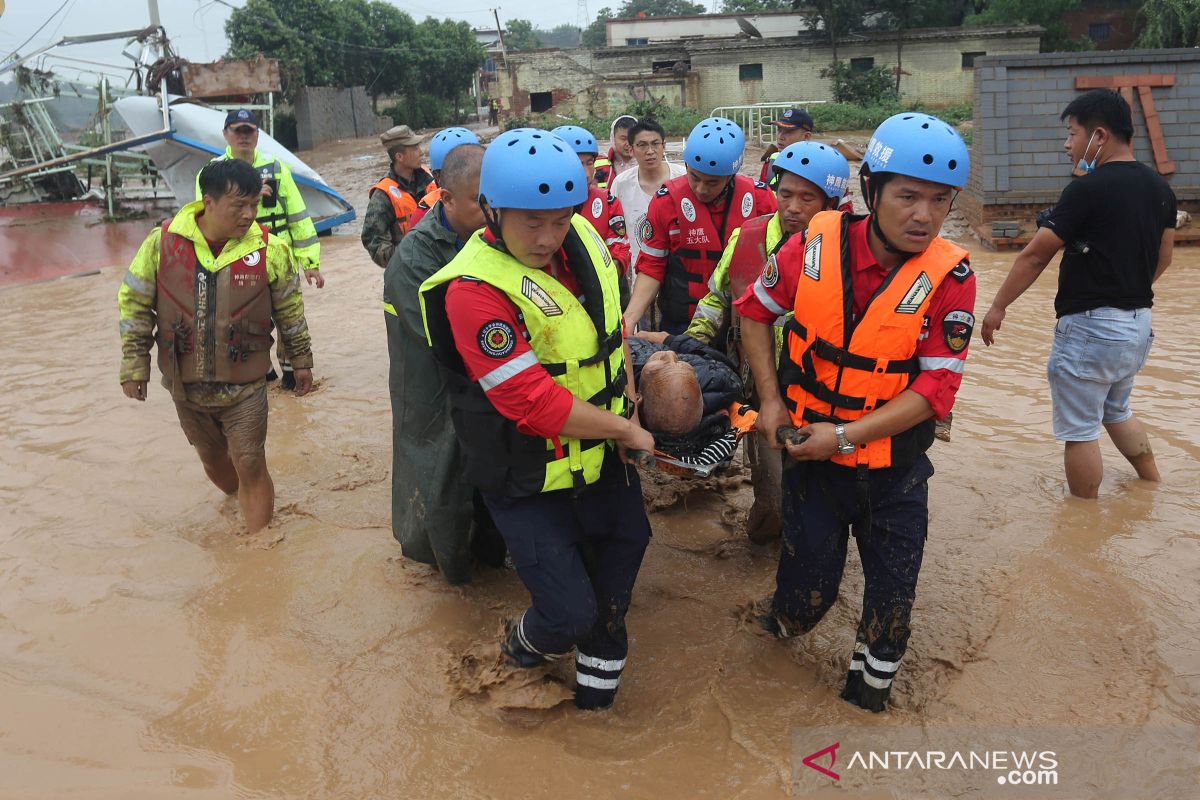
150	649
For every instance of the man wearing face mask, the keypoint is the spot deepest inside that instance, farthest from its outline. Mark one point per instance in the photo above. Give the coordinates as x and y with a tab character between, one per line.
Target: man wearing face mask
527	322
874	351
1117	223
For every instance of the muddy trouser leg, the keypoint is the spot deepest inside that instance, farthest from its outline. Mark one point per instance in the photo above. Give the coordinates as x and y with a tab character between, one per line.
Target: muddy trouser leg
765	521
817	497
616	533
547	536
891	553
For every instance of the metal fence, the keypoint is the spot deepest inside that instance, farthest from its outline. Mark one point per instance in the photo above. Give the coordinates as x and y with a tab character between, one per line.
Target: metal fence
754	118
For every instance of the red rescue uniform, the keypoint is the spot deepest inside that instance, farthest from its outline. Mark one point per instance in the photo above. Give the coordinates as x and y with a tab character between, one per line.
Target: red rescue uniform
682	238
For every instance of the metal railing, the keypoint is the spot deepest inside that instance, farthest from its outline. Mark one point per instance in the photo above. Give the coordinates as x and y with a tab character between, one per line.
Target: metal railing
754	118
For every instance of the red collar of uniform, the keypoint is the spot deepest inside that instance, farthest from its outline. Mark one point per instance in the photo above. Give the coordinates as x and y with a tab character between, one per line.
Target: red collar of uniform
861	257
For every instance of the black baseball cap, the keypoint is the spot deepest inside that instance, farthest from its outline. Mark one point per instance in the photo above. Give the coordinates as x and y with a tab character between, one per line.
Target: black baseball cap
241	116
795	118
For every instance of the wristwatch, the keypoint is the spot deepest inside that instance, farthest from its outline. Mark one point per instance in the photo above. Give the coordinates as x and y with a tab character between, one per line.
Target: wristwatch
844	445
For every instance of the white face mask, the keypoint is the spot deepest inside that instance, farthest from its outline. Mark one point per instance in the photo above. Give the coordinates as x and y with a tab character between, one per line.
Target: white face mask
1084	166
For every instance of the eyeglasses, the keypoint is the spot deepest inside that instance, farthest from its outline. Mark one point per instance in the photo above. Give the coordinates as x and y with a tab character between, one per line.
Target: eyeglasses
655	145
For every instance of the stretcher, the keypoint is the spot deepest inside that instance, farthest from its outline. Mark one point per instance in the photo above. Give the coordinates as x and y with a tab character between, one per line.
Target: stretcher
743	419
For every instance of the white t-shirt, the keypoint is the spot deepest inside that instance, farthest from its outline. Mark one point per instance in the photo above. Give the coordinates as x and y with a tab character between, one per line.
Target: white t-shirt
636	203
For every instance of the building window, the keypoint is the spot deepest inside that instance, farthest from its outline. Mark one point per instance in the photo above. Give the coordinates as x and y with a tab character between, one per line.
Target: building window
539	102
861	64
1099	31
749	72
637	42
968	59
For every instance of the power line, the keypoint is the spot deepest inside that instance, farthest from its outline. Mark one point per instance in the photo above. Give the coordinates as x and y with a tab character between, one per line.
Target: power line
49	19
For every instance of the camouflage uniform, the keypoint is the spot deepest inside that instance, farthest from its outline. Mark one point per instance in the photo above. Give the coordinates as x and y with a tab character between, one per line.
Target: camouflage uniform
380	233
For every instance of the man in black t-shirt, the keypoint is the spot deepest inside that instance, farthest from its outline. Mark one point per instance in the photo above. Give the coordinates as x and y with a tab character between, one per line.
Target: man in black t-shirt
1117	223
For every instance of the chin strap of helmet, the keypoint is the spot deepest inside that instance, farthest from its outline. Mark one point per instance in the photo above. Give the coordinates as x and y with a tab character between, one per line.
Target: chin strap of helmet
868	189
491	218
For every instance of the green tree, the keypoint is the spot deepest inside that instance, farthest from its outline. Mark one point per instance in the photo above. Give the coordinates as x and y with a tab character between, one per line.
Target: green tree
1169	23
659	8
565	37
835	17
869	87
1046	13
754	6
595	35
519	35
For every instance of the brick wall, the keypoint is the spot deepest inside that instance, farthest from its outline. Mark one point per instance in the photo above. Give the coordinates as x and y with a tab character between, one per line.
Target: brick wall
1017	159
325	113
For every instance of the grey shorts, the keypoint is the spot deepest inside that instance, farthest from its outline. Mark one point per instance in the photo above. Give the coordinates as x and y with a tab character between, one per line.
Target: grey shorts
1093	361
239	429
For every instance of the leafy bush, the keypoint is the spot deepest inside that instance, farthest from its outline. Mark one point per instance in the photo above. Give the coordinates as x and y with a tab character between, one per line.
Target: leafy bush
285	130
868	87
848	117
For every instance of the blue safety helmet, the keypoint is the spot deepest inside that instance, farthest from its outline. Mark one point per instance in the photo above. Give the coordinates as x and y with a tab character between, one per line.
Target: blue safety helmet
819	164
580	139
919	146
533	169
446	140
715	147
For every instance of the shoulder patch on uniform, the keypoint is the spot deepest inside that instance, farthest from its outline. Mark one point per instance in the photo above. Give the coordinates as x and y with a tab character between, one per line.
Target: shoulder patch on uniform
597	208
961	272
646	230
747	205
616	224
770	275
662	192
957	327
689	210
537	295
497	338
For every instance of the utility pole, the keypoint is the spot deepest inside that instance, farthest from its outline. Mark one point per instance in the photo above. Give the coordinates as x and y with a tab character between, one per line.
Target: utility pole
582	18
499	32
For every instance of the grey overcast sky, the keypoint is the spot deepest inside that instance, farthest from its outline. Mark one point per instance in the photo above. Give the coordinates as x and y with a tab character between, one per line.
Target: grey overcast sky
197	27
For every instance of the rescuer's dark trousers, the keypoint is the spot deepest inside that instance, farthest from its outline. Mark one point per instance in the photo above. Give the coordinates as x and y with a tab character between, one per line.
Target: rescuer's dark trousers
579	554
889	512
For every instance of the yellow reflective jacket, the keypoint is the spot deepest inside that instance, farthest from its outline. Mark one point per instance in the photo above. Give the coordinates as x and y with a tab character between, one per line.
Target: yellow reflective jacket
579	344
288	219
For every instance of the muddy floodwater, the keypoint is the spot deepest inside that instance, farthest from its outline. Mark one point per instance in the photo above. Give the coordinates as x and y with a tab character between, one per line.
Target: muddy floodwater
150	649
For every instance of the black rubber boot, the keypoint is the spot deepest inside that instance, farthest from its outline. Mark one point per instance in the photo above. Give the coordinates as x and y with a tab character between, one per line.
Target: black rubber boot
289	377
272	375
515	650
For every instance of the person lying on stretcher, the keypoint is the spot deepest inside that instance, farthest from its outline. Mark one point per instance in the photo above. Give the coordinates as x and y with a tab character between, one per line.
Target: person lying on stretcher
689	399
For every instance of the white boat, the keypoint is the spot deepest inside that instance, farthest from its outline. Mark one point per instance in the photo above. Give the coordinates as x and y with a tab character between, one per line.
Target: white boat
196	137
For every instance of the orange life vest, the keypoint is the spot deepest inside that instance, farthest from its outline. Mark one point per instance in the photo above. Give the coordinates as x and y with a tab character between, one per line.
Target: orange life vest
212	326
834	370
403	203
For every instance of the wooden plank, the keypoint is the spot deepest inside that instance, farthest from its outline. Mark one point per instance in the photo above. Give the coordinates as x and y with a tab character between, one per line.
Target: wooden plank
1154	128
229	78
1121	81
